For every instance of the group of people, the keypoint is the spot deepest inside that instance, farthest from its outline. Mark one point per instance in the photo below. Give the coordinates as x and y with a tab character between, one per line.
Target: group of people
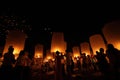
107	62
18	69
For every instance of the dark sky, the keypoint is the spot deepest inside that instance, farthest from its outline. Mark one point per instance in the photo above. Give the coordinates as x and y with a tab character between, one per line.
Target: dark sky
78	24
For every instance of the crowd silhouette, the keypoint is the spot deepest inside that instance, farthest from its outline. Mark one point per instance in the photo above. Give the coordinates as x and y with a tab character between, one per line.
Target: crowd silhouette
107	62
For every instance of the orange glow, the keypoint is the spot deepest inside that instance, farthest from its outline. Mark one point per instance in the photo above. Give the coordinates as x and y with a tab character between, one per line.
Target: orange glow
49	57
53	59
38	51
17	40
76	55
57	49
118	45
85	48
38	55
97	42
96	49
76	51
87	53
111	32
57	42
45	60
16	50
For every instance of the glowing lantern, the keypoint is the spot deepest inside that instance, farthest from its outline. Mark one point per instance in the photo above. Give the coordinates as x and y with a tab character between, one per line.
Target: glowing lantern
38	51
111	32
17	40
85	48
49	55
97	42
58	43
76	51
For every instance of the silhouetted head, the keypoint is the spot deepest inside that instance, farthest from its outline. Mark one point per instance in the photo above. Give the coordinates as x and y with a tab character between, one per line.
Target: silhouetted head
10	49
101	50
97	52
22	52
57	52
84	54
110	46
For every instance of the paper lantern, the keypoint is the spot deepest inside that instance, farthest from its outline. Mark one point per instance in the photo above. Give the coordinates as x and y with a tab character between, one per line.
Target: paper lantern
49	55
58	43
76	51
97	42
38	51
85	48
111	32
17	39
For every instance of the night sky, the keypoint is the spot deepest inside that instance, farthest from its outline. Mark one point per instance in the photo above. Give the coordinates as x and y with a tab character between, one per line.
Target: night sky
77	24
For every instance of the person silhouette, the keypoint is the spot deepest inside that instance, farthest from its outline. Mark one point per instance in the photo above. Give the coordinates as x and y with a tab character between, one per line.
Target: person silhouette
114	57
7	65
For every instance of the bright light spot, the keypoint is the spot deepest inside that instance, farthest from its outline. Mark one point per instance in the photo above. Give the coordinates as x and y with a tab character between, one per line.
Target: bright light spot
16	51
118	46
49	57
55	50
45	60
77	58
53	59
64	57
38	55
76	55
59	54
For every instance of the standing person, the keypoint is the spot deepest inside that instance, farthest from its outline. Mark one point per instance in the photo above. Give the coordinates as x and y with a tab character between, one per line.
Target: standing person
22	67
7	66
19	66
103	63
58	67
114	57
27	66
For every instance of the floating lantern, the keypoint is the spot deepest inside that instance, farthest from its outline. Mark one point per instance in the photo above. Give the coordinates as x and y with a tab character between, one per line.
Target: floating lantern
58	43
49	55
76	51
97	42
111	32
38	51
17	39
85	48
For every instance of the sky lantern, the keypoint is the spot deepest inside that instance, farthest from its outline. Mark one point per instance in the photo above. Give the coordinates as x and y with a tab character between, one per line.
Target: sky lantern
76	51
111	32
17	39
49	55
85	48
97	42
38	51
58	43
